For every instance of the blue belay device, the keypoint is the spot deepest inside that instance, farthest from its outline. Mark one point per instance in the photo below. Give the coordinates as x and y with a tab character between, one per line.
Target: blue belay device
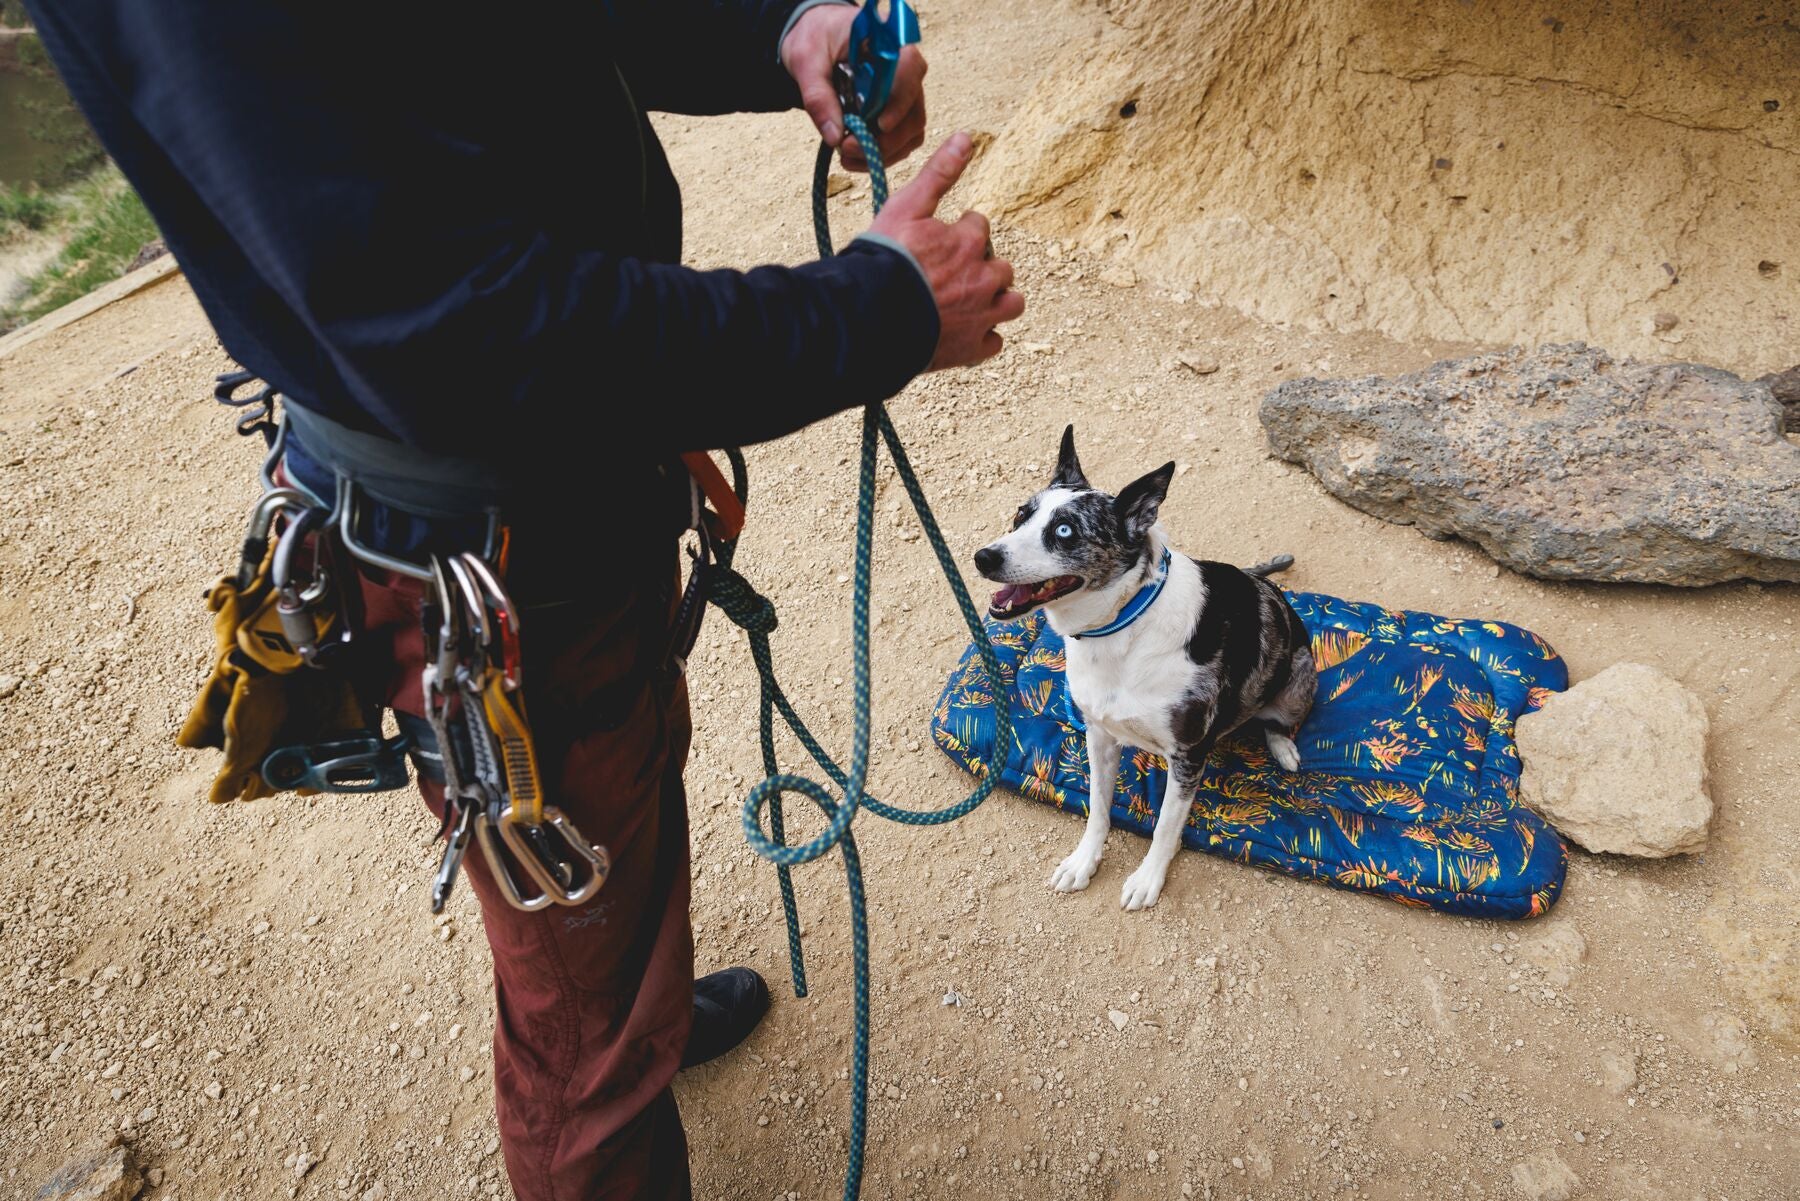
1408	782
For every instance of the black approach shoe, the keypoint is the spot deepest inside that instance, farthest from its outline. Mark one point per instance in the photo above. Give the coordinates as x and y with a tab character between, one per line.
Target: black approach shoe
727	1007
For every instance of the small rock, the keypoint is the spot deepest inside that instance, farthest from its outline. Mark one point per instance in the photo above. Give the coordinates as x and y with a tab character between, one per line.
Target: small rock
1545	1177
1197	364
893	1092
1618	1070
8	686
954	998
155	1176
465	1074
837	183
375	1192
1784	386
1663	322
1117	1018
1618	763
148	253
305	1162
1730	1042
1558	952
214	1090
104	1175
1119	276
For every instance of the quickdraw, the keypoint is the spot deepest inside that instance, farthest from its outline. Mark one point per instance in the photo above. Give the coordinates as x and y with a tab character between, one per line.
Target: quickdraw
493	793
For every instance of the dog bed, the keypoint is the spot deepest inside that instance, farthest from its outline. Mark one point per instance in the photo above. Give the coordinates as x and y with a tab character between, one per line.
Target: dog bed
1409	779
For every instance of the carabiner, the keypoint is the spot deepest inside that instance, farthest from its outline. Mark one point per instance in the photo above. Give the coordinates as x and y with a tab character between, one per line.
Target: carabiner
553	852
262	520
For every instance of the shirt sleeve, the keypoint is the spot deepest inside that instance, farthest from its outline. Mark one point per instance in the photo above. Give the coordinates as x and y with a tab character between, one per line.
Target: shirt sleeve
706	56
446	257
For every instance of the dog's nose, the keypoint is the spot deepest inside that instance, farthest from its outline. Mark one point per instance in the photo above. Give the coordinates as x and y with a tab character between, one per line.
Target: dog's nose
988	560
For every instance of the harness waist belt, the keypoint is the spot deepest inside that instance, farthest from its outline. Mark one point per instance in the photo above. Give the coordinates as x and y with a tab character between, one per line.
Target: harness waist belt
404	477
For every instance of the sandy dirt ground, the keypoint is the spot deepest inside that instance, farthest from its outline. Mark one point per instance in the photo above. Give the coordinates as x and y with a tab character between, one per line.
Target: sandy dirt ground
258	997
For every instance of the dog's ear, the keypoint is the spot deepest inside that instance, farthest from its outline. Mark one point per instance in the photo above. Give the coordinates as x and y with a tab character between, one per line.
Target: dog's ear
1139	503
1068	467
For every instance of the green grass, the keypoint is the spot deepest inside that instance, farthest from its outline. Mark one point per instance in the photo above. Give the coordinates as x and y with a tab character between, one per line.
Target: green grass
107	226
23	210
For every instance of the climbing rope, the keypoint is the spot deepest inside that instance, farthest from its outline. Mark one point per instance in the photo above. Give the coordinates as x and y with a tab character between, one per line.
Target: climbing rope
756	614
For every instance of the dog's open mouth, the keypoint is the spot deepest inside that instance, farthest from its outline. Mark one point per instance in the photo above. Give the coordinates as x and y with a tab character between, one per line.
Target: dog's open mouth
1016	600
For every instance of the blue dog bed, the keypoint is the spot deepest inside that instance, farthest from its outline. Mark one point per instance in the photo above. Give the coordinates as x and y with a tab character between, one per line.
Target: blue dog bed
1409	780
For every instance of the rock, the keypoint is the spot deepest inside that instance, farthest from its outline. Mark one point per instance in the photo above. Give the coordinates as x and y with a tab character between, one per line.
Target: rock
1784	386
1197	363
1564	463
1618	1070
1119	277
1618	763
1545	1177
1558	952
8	686
104	1175
1729	1042
1117	1018
148	253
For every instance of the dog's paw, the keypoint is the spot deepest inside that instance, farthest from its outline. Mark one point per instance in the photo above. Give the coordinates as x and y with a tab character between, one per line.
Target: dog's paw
1284	750
1143	886
1073	873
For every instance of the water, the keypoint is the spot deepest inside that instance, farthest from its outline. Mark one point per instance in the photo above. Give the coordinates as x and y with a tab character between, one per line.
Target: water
42	139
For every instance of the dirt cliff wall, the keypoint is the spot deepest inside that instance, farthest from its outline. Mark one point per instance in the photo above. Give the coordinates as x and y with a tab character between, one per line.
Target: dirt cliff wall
1498	172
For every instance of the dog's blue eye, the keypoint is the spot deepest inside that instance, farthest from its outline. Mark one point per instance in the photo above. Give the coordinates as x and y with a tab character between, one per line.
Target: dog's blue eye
1063	531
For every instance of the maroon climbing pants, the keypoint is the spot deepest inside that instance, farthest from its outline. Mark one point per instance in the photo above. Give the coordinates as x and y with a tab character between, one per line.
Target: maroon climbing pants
593	1002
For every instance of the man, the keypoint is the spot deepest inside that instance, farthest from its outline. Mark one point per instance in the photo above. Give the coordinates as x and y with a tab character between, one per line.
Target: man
456	230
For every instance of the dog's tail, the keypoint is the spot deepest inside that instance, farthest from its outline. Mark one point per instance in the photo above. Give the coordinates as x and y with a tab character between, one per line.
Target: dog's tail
1278	563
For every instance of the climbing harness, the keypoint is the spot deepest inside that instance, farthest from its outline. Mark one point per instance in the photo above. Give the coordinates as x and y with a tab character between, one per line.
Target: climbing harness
283	630
874	51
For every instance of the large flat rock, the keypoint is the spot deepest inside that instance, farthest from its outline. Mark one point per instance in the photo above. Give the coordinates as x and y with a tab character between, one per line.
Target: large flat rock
1564	463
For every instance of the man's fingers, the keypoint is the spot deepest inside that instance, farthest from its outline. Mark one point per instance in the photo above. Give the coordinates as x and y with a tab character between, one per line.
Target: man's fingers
906	136
974	226
1009	307
821	103
908	93
939	174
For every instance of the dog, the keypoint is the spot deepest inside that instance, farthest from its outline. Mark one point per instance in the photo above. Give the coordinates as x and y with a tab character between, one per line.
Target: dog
1164	653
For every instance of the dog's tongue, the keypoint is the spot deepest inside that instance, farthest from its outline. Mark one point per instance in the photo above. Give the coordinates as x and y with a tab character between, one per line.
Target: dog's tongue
1012	596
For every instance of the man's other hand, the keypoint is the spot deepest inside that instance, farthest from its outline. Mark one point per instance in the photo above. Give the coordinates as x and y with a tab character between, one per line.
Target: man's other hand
973	289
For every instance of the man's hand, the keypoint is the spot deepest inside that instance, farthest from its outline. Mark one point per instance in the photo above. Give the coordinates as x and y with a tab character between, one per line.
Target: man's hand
820	40
972	287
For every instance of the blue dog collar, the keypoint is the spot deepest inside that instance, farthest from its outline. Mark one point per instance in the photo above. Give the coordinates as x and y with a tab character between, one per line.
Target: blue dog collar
1134	609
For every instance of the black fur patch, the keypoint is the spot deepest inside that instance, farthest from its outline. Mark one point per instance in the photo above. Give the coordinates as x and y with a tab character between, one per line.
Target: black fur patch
1246	630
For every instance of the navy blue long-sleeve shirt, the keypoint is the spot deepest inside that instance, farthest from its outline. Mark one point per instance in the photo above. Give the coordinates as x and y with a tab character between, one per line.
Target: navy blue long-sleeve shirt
458	227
